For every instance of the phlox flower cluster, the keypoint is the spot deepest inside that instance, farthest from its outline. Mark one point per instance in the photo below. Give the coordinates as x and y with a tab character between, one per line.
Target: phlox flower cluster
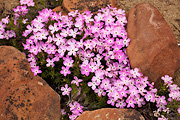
4	33
19	11
162	102
97	43
98	40
76	110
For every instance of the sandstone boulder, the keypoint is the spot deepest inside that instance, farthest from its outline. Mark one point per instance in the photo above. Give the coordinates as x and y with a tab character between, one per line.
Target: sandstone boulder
111	114
153	47
23	95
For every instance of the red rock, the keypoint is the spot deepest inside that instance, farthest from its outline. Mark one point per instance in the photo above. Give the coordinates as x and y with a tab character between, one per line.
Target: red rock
153	47
60	9
111	114
23	95
92	5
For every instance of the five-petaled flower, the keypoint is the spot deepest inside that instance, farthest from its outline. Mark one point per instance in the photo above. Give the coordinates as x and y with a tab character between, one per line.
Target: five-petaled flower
66	90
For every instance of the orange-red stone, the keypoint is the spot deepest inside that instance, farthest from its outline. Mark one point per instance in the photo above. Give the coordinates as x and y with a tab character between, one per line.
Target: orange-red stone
153	47
60	9
111	114
24	96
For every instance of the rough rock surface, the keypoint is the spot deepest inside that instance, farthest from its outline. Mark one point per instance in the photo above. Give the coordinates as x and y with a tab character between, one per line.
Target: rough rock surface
111	114
6	6
60	9
153	47
23	95
82	5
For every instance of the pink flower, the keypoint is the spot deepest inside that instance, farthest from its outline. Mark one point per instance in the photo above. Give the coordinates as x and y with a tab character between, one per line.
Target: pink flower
162	118
135	73
141	89
109	41
50	62
76	81
161	106
72	50
68	61
86	70
150	97
139	101
99	17
28	31
54	16
105	84
53	28
126	42
161	99
116	31
26	46
174	87
61	50
75	108
36	70
167	79
120	104
74	32
111	101
115	95
58	39
34	50
178	110
31	58
109	19
73	105
5	20
24	21
88	18
28	2
73	13
43	34
120	56
88	44
1	35
100	92
66	90
79	108
123	92
63	112
73	117
33	64
133	91
2	26
174	94
64	32
130	102
93	84
65	71
51	49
